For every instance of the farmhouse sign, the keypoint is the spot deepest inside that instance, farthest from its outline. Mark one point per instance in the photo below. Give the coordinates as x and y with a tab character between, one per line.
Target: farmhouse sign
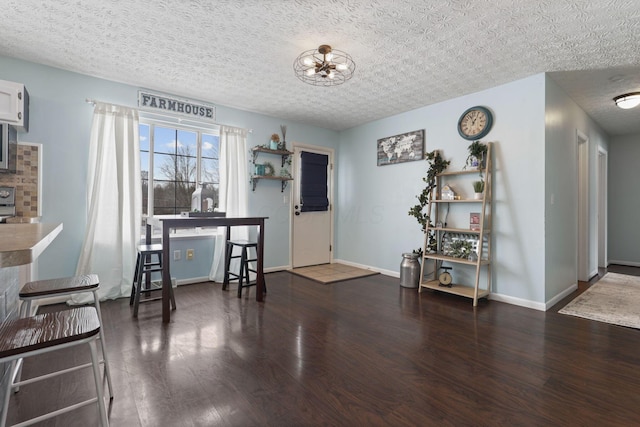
169	104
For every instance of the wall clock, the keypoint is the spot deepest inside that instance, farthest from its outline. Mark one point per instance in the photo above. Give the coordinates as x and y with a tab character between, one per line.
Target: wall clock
475	123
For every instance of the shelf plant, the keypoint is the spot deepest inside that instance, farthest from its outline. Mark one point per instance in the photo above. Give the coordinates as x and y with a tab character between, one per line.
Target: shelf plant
478	186
477	152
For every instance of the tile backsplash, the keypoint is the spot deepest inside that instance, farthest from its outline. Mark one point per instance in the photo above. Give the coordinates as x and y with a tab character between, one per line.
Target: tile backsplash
25	180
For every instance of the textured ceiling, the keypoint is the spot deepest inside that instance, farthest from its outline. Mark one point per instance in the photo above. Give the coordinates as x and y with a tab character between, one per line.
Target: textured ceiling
408	53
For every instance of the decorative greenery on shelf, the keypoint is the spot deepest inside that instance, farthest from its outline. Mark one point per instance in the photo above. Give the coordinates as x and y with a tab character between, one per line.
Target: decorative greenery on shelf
477	151
436	165
283	144
460	249
269	170
478	186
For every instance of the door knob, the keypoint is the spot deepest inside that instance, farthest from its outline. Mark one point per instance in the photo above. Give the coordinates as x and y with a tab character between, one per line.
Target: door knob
297	213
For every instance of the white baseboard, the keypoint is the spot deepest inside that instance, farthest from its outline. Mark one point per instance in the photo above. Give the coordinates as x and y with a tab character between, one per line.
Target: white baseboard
368	267
553	301
276	269
517	301
627	263
533	304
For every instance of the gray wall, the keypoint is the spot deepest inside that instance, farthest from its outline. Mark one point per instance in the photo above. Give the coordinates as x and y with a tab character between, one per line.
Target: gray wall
563	120
624	200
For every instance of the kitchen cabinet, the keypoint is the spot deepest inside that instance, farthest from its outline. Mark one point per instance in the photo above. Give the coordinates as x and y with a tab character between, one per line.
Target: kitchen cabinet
14	105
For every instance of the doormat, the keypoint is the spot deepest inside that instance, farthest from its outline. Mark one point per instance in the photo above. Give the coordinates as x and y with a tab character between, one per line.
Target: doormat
331	273
613	299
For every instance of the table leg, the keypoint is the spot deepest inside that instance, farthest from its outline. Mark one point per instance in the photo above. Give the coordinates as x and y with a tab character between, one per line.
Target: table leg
166	276
147	258
260	269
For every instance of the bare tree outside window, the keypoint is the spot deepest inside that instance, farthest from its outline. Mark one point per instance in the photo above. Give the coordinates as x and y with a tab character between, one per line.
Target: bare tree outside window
179	175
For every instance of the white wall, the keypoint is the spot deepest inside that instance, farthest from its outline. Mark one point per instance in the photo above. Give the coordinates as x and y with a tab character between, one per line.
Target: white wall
60	119
563	119
624	200
373	225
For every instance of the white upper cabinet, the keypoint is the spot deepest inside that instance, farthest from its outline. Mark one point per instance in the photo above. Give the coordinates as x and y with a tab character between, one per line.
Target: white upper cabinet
14	105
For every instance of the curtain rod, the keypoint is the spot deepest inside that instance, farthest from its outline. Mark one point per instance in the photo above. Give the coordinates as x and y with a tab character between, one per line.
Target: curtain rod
180	119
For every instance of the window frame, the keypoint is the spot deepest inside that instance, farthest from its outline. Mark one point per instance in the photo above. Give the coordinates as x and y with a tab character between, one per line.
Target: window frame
176	124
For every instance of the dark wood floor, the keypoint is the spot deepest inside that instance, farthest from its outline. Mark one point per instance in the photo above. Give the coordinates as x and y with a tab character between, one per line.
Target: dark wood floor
365	352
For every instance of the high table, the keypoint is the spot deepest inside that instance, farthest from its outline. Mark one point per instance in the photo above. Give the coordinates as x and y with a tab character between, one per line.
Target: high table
191	222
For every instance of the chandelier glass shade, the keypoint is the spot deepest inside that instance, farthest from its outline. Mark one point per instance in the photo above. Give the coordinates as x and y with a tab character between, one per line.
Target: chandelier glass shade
324	66
628	100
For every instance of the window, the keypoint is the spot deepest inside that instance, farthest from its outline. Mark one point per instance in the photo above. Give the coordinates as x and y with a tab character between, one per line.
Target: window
179	167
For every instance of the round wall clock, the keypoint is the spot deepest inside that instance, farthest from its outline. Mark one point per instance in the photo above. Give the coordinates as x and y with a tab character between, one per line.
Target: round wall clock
475	123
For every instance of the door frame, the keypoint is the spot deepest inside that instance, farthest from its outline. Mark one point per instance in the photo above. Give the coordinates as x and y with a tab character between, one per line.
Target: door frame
582	207
296	181
602	177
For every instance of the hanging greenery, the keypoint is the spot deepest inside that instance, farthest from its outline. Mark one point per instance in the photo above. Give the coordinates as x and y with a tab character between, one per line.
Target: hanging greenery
436	165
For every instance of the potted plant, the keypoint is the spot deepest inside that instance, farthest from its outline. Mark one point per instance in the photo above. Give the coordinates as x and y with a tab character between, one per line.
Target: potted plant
477	153
478	187
275	140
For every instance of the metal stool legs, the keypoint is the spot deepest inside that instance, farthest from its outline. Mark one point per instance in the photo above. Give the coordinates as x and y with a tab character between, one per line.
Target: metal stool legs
60	287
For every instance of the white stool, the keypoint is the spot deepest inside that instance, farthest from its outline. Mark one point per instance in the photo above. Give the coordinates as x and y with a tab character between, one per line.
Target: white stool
31	336
66	286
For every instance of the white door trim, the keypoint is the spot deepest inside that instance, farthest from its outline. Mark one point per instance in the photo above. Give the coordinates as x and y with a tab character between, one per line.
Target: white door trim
602	176
582	224
296	181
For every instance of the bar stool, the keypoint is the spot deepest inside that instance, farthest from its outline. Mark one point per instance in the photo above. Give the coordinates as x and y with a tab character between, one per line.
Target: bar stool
66	286
243	271
144	267
31	336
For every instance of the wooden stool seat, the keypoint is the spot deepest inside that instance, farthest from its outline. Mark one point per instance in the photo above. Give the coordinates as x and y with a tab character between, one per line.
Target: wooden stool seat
243	271
55	287
30	336
145	265
65	286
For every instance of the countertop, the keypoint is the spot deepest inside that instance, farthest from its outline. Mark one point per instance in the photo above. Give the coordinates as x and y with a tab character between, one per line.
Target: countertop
23	243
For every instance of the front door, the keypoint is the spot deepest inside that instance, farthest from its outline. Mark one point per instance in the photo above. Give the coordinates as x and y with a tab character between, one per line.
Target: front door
312	206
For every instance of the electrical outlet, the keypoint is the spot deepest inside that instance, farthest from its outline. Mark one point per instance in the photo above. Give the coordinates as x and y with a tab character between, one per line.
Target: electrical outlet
177	255
189	254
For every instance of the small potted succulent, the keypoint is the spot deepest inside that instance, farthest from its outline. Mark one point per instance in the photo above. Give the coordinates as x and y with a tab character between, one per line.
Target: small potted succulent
478	188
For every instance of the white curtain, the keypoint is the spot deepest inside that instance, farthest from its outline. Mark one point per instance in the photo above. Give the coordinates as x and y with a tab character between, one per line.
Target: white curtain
234	192
114	202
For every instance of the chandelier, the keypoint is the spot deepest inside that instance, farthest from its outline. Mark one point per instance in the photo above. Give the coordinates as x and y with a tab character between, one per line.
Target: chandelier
324	66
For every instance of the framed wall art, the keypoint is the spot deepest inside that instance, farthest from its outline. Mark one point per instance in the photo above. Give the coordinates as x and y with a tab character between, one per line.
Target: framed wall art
405	147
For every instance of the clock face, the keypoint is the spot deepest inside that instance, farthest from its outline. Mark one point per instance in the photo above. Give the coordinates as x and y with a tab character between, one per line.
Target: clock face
445	278
475	123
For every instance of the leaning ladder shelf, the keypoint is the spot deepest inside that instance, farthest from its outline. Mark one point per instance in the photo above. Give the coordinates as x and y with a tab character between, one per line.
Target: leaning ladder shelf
483	261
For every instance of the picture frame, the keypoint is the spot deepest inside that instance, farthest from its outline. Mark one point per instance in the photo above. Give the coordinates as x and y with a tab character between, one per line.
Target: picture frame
405	147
